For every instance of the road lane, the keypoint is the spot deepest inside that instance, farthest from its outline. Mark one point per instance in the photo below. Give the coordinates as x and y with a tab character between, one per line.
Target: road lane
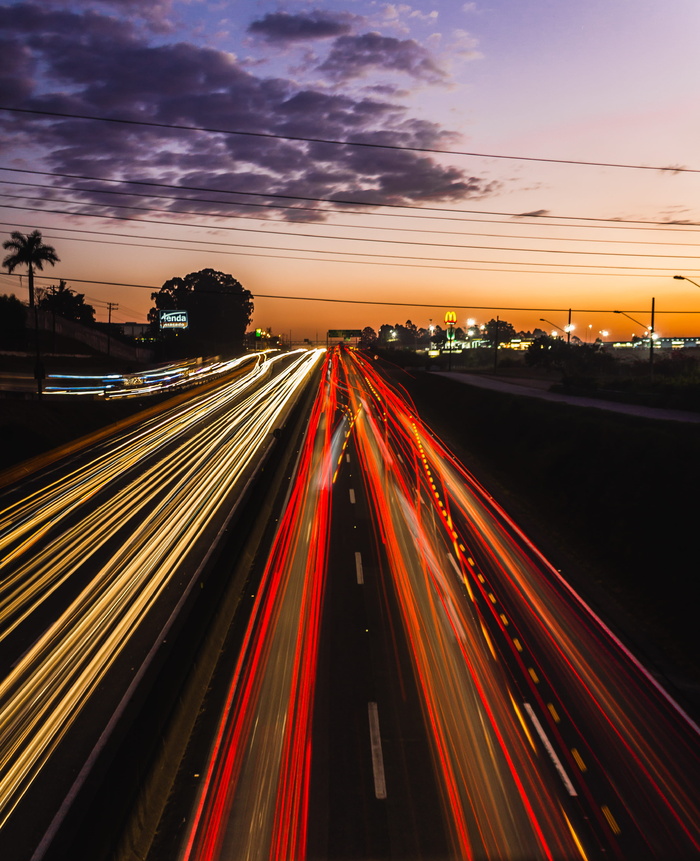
254	797
417	681
98	558
627	751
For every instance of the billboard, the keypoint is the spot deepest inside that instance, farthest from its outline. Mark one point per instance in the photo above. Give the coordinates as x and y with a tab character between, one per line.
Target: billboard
345	333
173	319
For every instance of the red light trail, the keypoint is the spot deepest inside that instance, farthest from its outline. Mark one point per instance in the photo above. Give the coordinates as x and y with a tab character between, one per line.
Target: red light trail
549	740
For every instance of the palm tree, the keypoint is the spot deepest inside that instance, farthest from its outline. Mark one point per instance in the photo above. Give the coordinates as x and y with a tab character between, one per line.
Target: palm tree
31	252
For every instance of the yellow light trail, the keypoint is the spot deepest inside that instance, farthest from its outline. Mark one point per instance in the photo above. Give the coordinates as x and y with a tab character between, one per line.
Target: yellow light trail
213	442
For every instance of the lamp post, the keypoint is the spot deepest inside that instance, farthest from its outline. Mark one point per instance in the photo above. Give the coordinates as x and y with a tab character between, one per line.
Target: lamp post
567	330
685	278
651	335
542	320
495	345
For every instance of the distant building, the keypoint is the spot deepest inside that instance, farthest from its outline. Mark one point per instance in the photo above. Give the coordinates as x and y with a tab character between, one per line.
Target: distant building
135	330
659	343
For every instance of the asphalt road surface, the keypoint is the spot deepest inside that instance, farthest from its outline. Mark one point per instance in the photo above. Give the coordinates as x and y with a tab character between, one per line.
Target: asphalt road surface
412	678
417	681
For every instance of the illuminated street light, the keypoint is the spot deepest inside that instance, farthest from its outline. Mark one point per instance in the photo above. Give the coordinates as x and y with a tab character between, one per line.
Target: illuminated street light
649	331
568	329
543	320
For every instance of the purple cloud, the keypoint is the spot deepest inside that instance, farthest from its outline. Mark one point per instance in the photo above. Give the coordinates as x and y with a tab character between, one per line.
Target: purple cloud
96	65
353	56
316	24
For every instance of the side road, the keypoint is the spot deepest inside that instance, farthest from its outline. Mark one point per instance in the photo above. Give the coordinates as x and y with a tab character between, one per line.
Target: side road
530	389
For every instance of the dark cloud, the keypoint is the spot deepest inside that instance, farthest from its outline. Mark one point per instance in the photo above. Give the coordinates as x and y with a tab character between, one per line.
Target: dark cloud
97	65
16	72
156	13
353	56
284	27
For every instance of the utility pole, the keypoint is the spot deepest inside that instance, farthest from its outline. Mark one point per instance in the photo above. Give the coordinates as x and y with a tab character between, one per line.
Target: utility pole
111	306
651	342
495	345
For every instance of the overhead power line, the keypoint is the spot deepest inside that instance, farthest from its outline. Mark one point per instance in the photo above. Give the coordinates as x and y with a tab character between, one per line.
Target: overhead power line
413	242
364	144
315	258
385	257
335	299
362	203
316	221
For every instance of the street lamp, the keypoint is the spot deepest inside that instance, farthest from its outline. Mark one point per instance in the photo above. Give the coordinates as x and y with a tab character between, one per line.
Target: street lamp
646	328
685	278
567	330
542	320
650	331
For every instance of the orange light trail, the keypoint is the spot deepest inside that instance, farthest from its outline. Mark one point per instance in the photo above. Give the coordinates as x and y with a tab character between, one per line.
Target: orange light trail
254	799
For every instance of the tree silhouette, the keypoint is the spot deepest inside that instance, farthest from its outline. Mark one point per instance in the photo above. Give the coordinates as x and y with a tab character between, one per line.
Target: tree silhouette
67	303
28	250
218	307
368	337
501	330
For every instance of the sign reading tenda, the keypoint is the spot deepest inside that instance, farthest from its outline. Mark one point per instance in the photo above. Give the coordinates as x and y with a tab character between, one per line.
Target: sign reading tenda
173	319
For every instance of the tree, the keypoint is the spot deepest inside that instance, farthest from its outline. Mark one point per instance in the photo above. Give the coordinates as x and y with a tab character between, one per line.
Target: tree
28	251
410	334
499	329
67	303
368	338
219	311
545	351
574	360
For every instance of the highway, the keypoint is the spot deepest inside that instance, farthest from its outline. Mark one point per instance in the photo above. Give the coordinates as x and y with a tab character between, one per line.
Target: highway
99	554
411	678
417	681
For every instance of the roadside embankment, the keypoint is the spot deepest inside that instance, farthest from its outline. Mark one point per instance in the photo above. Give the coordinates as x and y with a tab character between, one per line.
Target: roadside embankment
609	498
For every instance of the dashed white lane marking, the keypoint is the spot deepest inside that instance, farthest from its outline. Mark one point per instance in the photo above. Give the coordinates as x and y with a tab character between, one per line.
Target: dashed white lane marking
377	755
550	750
358	568
352	496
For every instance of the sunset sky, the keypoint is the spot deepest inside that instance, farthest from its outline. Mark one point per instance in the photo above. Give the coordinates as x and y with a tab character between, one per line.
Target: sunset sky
497	157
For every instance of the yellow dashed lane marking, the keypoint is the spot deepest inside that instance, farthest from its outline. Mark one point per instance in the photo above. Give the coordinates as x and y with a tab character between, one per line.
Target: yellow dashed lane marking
611	819
579	761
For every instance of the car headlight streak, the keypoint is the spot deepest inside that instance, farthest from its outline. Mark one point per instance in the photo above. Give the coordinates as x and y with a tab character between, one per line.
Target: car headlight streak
156	513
